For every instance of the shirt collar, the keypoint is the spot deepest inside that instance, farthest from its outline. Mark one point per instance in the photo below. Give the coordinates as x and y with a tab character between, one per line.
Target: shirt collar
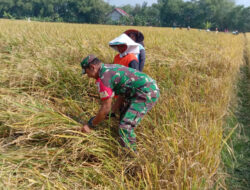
123	54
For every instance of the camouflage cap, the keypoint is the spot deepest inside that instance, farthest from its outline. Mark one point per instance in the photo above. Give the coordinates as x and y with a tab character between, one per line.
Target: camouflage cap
86	61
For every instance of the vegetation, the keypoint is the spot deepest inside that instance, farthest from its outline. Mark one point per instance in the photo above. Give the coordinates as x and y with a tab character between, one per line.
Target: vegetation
237	158
222	14
43	100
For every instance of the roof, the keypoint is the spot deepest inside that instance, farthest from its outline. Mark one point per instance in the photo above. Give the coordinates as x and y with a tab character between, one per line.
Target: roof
122	12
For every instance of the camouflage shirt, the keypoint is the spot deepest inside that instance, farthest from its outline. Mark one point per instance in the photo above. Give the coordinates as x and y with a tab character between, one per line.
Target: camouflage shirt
128	82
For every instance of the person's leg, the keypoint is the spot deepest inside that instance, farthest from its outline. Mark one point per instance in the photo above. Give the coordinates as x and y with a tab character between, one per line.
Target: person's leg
124	108
136	111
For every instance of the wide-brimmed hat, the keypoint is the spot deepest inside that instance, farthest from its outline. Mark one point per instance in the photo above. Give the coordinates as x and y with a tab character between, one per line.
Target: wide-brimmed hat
123	39
138	35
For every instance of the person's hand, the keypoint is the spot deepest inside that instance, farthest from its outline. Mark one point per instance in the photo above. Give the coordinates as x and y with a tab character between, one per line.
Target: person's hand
85	129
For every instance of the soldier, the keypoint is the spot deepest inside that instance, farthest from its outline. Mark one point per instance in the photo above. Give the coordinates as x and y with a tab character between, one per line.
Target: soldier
137	88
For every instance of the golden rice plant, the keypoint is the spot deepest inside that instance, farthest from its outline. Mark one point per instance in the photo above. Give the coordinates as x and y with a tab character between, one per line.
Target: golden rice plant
44	99
247	53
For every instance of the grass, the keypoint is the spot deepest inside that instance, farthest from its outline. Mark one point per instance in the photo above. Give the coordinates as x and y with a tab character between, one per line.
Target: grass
237	161
43	100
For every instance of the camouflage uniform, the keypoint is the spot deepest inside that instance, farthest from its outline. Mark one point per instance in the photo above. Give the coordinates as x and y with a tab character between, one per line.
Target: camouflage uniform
137	88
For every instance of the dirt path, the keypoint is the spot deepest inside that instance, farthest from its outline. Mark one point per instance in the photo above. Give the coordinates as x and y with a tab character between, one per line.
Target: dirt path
240	168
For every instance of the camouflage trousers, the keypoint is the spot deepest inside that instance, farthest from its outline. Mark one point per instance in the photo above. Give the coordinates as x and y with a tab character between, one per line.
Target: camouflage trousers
136	109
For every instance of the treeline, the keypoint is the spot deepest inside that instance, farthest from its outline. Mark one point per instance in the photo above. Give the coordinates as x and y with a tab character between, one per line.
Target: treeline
81	11
221	14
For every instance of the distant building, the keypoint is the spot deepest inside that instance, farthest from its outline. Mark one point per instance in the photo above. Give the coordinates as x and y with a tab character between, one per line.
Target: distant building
117	13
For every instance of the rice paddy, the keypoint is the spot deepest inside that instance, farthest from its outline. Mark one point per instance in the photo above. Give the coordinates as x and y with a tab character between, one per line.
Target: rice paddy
44	99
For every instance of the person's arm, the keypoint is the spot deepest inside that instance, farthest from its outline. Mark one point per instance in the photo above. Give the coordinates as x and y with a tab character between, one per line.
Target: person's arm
142	58
103	111
134	64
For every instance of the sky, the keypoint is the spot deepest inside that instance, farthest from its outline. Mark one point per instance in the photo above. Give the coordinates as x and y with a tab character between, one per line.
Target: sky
133	2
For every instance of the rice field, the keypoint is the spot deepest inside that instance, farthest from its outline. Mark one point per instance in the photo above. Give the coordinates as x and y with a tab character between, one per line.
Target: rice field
44	99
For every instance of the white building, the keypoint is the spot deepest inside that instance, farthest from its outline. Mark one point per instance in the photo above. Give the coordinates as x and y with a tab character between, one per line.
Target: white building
117	13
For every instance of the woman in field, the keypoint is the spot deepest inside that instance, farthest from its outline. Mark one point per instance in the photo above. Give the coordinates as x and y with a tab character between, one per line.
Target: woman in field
138	37
128	49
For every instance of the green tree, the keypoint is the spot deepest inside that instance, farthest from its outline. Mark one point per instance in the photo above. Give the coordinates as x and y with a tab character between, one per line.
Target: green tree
214	11
189	15
143	14
152	15
234	18
220	13
7	15
207	25
246	20
5	6
170	11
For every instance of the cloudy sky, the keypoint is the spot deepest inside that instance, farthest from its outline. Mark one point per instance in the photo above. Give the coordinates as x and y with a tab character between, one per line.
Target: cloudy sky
133	2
